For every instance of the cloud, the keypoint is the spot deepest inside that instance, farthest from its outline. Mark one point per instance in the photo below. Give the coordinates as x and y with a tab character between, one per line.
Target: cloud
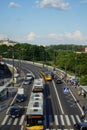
57	4
13	4
54	38
76	35
31	36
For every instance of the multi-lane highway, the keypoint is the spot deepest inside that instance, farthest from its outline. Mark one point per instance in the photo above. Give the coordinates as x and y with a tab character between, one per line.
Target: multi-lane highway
61	111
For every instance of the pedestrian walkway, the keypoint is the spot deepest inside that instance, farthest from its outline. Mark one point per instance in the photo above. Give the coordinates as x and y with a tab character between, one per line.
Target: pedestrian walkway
59	120
59	129
13	121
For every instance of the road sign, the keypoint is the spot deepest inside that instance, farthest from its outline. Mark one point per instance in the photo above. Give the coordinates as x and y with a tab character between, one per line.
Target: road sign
66	89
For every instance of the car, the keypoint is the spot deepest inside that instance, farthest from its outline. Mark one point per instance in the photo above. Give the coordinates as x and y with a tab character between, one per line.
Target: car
21	98
80	126
27	81
16	111
29	76
58	81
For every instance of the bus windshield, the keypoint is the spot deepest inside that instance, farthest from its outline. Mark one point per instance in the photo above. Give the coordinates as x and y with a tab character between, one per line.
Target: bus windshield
34	121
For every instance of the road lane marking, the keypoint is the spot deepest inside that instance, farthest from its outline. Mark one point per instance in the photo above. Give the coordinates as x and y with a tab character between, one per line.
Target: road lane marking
73	119
67	120
56	120
62	121
22	127
77	102
9	121
5	119
13	100
21	120
59	129
78	119
58	97
15	121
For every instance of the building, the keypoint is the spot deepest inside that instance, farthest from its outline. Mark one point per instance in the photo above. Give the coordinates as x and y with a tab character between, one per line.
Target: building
7	42
84	50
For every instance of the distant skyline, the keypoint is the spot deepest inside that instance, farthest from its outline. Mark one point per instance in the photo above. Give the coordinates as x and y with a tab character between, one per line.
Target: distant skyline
44	22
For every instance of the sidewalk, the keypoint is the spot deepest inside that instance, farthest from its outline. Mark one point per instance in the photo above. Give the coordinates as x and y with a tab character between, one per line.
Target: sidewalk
80	98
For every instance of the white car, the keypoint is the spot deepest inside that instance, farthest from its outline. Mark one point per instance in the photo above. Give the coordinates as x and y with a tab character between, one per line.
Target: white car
29	76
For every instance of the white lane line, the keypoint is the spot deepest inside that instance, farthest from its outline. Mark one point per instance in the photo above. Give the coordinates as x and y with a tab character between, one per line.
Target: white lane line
15	121
67	120
58	97
78	119
56	120
62	121
21	120
9	121
13	100
77	103
22	127
52	129
5	119
73	119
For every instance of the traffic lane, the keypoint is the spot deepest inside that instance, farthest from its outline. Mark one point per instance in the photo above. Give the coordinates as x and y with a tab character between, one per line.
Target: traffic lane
27	92
22	105
53	108
54	98
7	127
35	70
26	67
7	103
69	105
48	107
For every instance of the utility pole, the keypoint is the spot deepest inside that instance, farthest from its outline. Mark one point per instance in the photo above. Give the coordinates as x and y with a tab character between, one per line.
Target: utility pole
13	64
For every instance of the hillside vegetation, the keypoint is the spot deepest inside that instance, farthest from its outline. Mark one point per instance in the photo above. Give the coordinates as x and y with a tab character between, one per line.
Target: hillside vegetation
64	57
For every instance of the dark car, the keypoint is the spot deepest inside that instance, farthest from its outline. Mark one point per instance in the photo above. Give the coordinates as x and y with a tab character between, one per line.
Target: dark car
16	111
27	81
21	98
58	81
80	126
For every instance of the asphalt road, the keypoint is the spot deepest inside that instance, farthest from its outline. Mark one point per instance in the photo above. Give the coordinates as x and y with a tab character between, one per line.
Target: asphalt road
60	110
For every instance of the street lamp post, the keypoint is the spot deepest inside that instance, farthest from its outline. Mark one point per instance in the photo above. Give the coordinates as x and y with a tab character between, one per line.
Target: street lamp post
13	64
54	59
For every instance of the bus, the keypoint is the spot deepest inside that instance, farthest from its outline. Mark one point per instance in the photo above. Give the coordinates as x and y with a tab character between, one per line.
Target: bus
34	114
38	85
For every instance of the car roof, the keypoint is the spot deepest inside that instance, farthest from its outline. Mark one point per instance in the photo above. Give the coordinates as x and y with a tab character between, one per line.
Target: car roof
82	123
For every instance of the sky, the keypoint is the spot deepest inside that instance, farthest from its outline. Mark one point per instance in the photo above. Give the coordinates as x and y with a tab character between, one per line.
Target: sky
44	22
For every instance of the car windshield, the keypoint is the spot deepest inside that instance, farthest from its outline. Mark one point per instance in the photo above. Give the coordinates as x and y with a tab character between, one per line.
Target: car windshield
20	96
26	80
14	109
